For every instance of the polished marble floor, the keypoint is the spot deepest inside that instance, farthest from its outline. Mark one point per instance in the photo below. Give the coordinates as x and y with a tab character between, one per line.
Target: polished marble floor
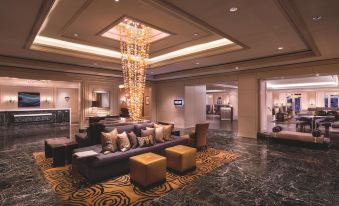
216	123
267	173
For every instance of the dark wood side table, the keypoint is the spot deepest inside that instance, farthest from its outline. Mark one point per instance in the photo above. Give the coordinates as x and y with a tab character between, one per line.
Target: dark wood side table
60	149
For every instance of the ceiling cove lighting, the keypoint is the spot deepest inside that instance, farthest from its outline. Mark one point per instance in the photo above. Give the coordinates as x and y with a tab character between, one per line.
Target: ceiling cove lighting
47	41
42	40
279	86
191	50
134	46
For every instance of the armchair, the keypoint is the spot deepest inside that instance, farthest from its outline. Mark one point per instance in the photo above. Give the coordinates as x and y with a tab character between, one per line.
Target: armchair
198	139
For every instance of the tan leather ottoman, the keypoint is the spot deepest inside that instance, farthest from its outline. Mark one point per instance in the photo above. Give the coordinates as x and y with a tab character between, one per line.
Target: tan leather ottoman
181	158
147	169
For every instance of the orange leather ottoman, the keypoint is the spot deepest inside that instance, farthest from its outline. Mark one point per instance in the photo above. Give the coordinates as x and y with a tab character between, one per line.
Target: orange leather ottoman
147	169
181	158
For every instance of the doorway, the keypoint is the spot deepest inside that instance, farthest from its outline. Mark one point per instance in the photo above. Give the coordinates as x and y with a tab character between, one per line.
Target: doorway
222	106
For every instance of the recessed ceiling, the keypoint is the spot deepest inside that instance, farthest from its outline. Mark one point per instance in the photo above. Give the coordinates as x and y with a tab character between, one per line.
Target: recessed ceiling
93	38
254	31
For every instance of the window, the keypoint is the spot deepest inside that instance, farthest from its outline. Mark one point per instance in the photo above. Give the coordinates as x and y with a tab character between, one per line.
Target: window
334	101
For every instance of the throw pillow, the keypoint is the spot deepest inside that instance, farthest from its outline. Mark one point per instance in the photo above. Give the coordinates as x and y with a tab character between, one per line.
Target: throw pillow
145	141
159	134
133	140
123	142
106	143
147	132
167	131
109	145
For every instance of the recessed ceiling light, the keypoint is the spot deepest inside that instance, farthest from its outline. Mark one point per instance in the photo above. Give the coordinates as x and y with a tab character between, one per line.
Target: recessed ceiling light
76	34
317	75
152	72
233	9
236	68
116	0
317	18
197	63
196	34
95	63
280	48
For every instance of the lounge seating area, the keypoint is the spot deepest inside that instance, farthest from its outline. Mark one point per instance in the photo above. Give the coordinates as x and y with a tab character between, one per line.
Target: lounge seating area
102	165
168	102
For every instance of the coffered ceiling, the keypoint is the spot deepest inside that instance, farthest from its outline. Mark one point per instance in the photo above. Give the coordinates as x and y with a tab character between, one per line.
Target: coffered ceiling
215	38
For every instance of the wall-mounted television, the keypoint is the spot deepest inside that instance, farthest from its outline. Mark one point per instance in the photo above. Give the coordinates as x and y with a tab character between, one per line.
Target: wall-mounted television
28	99
178	102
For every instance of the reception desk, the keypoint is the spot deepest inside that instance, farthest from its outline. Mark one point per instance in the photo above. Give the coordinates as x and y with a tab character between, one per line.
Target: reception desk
34	116
226	113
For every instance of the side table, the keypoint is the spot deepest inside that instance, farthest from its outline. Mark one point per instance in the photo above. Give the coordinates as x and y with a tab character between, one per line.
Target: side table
60	149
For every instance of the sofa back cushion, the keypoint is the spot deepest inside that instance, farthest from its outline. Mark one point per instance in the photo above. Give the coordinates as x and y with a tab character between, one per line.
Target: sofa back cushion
121	129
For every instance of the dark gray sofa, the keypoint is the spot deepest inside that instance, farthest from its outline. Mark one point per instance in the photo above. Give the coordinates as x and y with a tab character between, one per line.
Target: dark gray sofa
100	167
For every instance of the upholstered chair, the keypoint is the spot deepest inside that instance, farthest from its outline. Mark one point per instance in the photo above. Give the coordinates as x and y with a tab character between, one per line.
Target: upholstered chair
198	138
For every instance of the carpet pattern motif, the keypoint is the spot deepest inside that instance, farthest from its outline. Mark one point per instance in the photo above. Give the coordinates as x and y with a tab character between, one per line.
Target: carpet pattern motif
75	190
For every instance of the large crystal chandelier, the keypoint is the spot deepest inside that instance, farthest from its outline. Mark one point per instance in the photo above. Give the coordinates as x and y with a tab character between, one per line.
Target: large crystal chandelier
134	46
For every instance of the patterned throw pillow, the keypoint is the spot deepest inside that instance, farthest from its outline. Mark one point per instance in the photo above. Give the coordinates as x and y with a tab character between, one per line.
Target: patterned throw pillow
133	140
145	141
167	130
123	142
148	132
109	141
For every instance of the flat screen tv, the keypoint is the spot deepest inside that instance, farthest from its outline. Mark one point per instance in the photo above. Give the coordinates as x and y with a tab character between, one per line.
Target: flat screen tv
28	99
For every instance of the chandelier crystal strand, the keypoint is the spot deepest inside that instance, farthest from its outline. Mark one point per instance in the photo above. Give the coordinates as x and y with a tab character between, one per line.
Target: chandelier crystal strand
134	46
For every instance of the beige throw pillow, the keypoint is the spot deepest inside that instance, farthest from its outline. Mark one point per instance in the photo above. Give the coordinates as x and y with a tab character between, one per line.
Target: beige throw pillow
123	142
167	130
109	141
159	134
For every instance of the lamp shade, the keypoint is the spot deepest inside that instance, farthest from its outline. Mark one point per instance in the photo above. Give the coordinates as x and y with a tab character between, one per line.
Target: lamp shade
95	104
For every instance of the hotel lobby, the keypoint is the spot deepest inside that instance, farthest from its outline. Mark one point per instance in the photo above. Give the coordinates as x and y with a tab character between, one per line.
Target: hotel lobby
168	102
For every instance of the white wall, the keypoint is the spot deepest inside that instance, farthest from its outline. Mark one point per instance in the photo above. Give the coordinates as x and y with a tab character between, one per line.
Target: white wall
195	105
166	111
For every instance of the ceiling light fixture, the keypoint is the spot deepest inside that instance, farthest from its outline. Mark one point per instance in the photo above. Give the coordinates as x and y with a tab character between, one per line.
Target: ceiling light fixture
75	34
116	0
317	18
317	75
197	63
280	48
236	68
134	46
279	86
196	34
233	9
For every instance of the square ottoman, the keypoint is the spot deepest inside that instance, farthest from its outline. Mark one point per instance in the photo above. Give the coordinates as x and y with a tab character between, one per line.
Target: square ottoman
181	158
147	170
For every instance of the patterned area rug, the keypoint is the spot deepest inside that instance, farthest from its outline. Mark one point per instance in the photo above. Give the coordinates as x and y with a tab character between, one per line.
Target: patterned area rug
75	190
